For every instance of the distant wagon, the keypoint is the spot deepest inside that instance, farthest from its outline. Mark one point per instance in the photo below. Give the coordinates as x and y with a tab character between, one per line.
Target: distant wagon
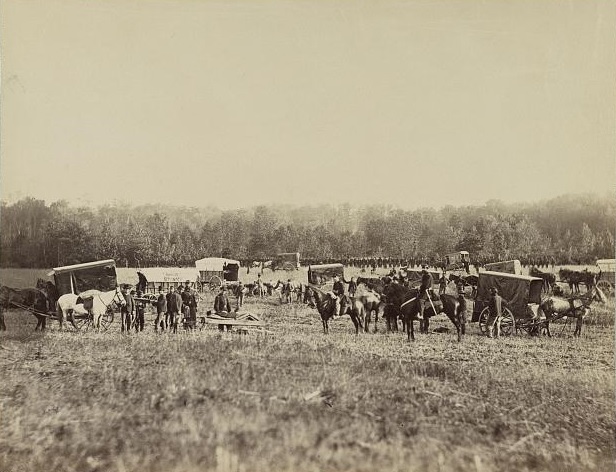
522	293
286	261
508	267
216	271
151	278
607	275
323	273
457	261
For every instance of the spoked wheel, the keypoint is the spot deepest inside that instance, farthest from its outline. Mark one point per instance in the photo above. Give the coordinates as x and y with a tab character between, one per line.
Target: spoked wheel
606	287
215	283
82	322
507	323
106	320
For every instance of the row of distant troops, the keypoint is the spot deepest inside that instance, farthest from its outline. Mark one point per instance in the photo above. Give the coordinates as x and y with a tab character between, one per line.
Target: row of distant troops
389	262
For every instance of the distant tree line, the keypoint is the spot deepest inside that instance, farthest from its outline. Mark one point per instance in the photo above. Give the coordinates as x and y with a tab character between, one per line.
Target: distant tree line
568	229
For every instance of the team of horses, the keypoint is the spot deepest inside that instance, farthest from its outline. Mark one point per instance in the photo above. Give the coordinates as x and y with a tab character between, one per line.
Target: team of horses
43	302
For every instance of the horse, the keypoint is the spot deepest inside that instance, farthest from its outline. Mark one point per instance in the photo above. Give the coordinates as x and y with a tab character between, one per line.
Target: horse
549	279
326	306
405	303
372	303
555	308
32	299
50	291
92	302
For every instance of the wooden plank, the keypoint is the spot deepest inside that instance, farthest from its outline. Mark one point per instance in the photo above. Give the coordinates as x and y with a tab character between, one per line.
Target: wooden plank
231	321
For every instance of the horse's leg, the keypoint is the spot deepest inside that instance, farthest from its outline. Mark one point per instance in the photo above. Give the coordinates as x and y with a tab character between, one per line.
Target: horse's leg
376	318
2	323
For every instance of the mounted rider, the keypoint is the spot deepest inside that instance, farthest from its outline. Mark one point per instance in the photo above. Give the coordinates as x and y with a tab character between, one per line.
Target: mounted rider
424	292
338	292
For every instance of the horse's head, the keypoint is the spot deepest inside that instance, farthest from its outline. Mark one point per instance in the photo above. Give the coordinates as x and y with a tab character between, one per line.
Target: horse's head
118	298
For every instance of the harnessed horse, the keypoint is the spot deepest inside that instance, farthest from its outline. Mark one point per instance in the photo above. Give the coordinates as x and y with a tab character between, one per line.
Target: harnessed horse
31	299
69	304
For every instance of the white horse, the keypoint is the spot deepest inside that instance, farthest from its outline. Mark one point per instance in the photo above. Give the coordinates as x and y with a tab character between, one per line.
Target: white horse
93	303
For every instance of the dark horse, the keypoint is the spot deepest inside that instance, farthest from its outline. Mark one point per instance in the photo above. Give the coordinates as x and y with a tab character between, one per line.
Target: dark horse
326	306
32	299
549	279
50	291
404	301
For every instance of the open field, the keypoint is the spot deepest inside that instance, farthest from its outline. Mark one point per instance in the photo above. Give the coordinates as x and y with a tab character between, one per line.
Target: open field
293	399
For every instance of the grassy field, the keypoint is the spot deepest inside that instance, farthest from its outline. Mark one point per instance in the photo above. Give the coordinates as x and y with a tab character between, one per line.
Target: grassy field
293	399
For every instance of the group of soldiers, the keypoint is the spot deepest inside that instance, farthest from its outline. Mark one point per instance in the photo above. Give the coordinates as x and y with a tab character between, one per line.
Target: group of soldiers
170	304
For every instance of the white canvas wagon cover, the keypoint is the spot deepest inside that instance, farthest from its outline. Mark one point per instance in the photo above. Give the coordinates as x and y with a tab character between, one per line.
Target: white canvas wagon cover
174	275
213	264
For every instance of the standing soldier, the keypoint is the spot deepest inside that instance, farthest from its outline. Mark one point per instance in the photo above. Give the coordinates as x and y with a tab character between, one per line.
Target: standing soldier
186	298
442	284
139	311
174	307
126	312
240	294
161	310
496	304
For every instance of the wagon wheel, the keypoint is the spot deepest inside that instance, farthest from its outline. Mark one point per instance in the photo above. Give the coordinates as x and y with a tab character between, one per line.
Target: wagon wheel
507	323
288	266
82	322
215	282
606	287
106	320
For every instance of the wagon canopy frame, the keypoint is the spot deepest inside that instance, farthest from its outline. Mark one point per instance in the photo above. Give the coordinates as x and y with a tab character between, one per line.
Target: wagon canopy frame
77	278
520	292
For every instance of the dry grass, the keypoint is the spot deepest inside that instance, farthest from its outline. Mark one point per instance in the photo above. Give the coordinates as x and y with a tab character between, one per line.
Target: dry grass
294	399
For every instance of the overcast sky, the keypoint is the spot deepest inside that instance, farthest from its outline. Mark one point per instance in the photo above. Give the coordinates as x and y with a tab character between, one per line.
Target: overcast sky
413	103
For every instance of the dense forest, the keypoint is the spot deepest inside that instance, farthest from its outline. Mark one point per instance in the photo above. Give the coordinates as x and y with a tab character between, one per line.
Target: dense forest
570	229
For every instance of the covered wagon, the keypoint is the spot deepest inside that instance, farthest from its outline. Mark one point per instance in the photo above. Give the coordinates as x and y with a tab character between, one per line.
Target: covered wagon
78	278
607	275
323	273
216	271
286	261
153	277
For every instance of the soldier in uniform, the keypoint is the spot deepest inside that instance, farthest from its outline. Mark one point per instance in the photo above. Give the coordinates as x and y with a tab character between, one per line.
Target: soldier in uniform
161	309
424	292
338	291
139	311
126	312
496	304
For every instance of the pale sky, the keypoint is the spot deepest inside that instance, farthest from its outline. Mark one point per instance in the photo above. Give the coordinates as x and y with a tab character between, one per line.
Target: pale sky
236	103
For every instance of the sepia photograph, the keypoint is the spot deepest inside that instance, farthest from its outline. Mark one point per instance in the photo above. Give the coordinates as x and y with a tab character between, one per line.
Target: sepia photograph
307	235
